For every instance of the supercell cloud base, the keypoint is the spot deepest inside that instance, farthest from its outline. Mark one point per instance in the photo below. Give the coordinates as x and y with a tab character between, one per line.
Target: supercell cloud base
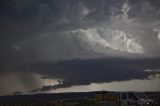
83	45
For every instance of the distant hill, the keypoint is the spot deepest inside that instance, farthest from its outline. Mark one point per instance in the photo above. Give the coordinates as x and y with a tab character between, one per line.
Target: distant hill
54	97
46	97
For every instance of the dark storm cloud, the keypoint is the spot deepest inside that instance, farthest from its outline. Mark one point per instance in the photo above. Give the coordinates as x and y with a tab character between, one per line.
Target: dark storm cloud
32	31
25	20
84	72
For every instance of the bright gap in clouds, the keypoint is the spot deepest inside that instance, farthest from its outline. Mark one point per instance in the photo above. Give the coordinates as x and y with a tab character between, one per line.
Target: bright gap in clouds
150	84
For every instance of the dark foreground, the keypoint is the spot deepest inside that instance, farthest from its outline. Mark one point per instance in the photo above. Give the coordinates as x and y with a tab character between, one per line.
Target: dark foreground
59	99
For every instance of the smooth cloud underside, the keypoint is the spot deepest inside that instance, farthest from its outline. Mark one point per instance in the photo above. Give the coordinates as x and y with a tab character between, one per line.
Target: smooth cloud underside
80	42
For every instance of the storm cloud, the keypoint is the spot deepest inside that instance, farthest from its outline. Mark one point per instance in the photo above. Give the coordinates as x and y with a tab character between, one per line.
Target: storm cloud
79	41
83	72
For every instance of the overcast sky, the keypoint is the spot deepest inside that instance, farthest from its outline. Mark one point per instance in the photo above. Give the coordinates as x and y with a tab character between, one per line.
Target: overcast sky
59	45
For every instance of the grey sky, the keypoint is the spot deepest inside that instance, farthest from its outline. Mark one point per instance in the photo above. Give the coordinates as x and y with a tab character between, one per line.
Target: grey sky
66	39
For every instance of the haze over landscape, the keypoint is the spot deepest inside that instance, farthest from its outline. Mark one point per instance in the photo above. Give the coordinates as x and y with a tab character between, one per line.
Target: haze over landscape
50	46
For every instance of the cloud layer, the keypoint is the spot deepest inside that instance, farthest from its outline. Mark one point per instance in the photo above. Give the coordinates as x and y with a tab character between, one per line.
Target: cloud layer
84	72
67	39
